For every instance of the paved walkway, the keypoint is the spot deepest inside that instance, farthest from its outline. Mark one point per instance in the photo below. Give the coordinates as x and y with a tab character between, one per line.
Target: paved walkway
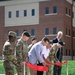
4	74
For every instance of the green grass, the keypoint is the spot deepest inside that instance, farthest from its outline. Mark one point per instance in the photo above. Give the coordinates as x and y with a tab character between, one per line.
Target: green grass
71	68
2	68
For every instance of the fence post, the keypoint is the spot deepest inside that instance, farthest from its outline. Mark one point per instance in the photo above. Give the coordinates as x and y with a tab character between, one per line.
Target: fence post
24	68
66	68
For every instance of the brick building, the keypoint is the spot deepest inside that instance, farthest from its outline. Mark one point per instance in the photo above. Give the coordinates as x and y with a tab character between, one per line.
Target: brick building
40	18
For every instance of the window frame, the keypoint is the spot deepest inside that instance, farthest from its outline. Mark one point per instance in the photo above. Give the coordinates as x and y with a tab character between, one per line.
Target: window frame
17	13
47	31
54	9
9	14
33	12
47	10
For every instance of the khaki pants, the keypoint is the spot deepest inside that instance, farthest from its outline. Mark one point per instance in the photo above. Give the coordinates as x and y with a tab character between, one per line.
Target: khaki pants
33	72
49	70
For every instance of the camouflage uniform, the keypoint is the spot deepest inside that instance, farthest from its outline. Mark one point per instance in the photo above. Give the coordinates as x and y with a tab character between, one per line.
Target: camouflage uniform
21	55
8	55
29	47
52	56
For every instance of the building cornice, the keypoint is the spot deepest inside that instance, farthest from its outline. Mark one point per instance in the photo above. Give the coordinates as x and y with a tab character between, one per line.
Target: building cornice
14	2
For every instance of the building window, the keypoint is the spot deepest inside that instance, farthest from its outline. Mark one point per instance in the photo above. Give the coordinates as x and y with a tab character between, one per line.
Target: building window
17	32
47	31
55	30
66	10
17	13
66	31
32	32
69	52
66	52
25	12
73	33
54	9
69	11
47	10
72	14
9	14
69	32
73	52
33	12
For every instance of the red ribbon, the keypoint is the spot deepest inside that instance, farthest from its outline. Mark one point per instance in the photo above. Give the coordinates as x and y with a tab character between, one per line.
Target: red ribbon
44	68
59	63
38	68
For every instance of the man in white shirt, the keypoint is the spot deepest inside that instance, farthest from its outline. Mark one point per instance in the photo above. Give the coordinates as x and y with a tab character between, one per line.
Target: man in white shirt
45	54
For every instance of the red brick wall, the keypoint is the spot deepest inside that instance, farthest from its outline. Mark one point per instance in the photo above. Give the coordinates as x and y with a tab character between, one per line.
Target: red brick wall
1	28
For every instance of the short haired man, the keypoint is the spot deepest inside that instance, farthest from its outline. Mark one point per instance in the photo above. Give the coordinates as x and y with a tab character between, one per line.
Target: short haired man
22	52
35	53
45	55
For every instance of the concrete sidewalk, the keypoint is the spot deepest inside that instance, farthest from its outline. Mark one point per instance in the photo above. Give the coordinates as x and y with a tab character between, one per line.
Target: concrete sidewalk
4	74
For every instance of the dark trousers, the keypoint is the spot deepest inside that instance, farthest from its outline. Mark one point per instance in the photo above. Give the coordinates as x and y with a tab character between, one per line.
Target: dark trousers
40	72
57	70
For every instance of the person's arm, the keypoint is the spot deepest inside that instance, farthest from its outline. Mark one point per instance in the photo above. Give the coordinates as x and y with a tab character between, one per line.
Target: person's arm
25	52
47	60
39	56
19	49
10	54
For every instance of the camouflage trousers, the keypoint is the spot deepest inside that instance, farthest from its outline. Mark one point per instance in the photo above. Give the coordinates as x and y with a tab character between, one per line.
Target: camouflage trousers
49	71
9	67
21	70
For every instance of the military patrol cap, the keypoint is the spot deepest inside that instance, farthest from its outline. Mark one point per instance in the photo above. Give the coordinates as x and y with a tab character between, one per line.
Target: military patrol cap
12	33
26	33
34	38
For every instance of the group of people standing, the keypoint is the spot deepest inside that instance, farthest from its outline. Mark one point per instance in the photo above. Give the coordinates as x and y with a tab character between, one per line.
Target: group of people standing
15	54
37	53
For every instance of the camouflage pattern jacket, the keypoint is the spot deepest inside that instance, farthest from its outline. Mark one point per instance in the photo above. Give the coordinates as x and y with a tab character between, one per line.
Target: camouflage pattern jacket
21	51
53	52
8	52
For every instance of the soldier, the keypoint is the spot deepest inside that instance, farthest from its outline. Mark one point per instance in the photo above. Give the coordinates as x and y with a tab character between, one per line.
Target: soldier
22	52
8	54
34	40
57	69
53	54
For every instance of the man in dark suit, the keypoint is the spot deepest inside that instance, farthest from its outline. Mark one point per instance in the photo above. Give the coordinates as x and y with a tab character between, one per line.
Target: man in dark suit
57	69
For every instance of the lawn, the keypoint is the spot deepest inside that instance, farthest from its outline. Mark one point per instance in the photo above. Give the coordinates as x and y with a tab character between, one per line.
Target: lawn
71	68
2	68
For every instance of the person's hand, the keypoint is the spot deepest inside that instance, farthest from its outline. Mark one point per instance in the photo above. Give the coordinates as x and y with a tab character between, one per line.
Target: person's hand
44	63
57	61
